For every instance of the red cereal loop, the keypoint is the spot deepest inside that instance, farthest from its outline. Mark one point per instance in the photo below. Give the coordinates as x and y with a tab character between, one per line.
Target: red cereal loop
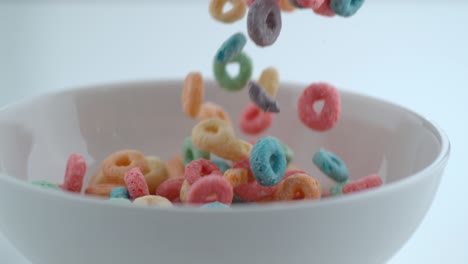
196	169
170	189
136	183
365	183
310	3
331	110
290	173
245	164
252	191
75	173
211	188
324	9
254	121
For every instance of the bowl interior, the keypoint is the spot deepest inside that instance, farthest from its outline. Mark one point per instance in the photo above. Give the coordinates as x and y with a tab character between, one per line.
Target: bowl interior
38	135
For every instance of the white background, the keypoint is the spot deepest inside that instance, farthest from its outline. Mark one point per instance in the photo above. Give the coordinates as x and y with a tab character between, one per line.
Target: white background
410	52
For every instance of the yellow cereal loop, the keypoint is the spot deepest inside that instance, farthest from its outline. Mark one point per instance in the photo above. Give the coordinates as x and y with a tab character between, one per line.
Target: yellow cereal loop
211	110
269	80
184	191
237	150
237	176
286	6
212	134
153	201
237	12
156	173
193	94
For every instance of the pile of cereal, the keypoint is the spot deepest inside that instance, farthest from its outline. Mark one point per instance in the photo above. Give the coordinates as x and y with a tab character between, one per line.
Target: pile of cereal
216	168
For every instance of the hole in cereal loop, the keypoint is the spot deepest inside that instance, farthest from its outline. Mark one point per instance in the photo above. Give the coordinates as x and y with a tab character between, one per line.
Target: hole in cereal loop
123	161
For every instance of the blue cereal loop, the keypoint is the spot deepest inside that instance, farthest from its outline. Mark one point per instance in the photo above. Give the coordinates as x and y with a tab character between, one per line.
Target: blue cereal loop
331	165
215	205
268	161
337	189
346	8
222	165
232	47
120	192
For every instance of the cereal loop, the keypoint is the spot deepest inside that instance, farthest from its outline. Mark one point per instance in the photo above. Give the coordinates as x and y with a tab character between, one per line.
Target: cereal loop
193	94
331	165
136	183
254	121
236	13
337	189
184	191
245	164
264	22
238	82
230	48
250	2
268	161
211	110
175	167
99	178
288	152
75	173
199	168
262	99
222	164
211	189
156	174
331	110
368	182
153	201
310	3
269	80
119	192
119	163
236	177
170	189
190	152
296	4
103	189
324	9
286	6
346	8
298	187
252	191
215	205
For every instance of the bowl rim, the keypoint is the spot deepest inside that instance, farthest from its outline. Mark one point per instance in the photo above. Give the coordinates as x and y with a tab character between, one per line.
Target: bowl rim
440	160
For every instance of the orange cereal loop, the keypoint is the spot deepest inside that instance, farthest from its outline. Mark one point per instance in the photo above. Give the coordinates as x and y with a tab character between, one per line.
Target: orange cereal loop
184	191
269	80
236	177
298	187
175	167
193	94
102	190
286	6
211	110
99	178
156	174
237	12
119	163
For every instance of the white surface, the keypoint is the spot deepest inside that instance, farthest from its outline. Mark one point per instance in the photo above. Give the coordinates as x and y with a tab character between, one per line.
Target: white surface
413	54
88	122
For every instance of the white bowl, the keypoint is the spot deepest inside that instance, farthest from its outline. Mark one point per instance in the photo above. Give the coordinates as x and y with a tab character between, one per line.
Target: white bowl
373	136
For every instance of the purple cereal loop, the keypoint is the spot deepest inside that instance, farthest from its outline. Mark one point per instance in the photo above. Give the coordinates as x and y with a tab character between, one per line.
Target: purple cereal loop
264	22
260	98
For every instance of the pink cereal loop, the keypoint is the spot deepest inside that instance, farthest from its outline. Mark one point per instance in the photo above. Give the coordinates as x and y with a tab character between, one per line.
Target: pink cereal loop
331	110
136	183
252	191
75	173
196	169
368	182
324	9
310	3
207	186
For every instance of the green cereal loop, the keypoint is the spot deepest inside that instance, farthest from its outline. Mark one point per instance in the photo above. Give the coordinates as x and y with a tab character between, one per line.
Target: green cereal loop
46	185
238	82
190	152
337	189
288	152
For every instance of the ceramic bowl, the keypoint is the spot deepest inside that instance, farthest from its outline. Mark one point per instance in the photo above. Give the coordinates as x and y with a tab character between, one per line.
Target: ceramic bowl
373	136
